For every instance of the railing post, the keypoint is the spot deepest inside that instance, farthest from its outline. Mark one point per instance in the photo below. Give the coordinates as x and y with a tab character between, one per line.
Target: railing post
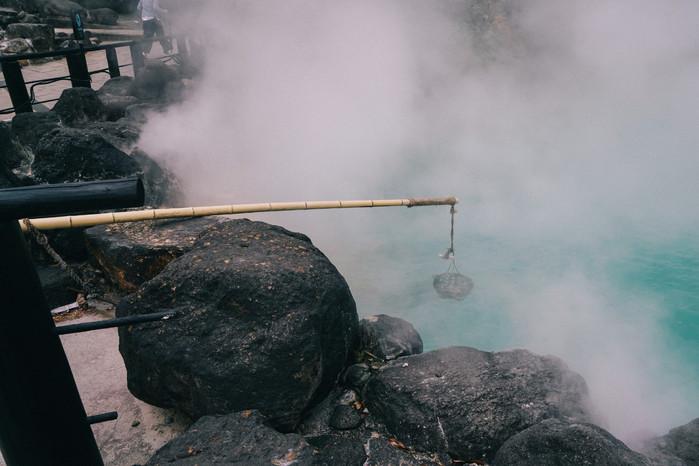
14	80
77	67
137	57
43	419
113	62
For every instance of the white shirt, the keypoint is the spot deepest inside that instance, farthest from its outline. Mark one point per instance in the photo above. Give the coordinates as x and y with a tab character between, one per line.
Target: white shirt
149	9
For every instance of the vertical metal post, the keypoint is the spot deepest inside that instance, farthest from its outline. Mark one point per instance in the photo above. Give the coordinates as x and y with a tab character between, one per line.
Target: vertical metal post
42	419
113	62
77	67
137	58
14	79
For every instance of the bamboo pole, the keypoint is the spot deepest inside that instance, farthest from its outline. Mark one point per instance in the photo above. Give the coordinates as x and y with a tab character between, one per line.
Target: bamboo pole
91	220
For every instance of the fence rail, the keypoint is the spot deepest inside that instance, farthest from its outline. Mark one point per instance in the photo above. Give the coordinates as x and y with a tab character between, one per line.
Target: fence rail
79	75
43	418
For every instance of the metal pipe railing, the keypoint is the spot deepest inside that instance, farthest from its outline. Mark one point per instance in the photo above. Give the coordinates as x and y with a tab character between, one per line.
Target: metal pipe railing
43	420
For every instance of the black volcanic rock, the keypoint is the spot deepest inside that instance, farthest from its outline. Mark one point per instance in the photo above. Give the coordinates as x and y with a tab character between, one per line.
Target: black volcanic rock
29	128
241	438
382	452
120	6
679	447
557	443
87	154
41	35
115	105
388	337
157	81
58	7
345	417
118	86
130	254
116	96
24	17
265	321
79	106
356	376
67	154
336	450
59	288
13	155
103	16
469	402
122	134
161	185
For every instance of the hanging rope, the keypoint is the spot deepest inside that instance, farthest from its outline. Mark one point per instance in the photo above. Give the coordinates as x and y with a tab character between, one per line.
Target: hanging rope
452	211
449	253
452	284
43	241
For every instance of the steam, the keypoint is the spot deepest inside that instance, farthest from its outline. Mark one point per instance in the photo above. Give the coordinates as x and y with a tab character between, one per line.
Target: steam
567	129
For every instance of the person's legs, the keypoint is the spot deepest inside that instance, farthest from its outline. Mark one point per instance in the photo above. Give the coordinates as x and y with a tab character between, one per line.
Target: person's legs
149	30
160	32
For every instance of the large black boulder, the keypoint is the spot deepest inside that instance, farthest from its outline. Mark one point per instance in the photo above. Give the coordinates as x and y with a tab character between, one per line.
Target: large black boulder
29	128
337	450
115	95
7	16
469	402
384	451
679	447
79	106
157	81
24	17
103	16
58	7
122	134
120	6
130	254
120	86
265	321
140	113
388	338
340	411
67	154
241	438
13	155
41	35
116	105
557	443
369	448
59	288
16	46
8	179
161	185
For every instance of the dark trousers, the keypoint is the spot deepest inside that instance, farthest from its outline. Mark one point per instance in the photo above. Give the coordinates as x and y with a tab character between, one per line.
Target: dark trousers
154	28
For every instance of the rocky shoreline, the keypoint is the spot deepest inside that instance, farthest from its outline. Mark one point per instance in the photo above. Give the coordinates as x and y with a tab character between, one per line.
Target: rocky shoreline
266	353
267	356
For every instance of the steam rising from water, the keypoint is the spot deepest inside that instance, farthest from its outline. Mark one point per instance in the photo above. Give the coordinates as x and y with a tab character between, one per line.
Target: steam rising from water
567	129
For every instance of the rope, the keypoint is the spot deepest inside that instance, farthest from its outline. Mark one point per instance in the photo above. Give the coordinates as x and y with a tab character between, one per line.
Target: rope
43	241
452	211
449	253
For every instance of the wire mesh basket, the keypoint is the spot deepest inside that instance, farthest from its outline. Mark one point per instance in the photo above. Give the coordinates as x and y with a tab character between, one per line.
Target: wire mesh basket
452	284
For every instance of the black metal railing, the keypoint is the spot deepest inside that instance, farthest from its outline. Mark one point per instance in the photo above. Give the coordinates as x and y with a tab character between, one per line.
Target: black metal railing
79	72
43	420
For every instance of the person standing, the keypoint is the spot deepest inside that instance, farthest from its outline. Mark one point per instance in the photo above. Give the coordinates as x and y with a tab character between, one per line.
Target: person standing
152	26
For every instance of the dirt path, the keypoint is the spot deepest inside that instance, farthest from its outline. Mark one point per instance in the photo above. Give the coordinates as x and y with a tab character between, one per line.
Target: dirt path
101	378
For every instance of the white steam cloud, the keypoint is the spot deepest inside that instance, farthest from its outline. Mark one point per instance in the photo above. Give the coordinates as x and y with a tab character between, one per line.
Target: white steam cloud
567	129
